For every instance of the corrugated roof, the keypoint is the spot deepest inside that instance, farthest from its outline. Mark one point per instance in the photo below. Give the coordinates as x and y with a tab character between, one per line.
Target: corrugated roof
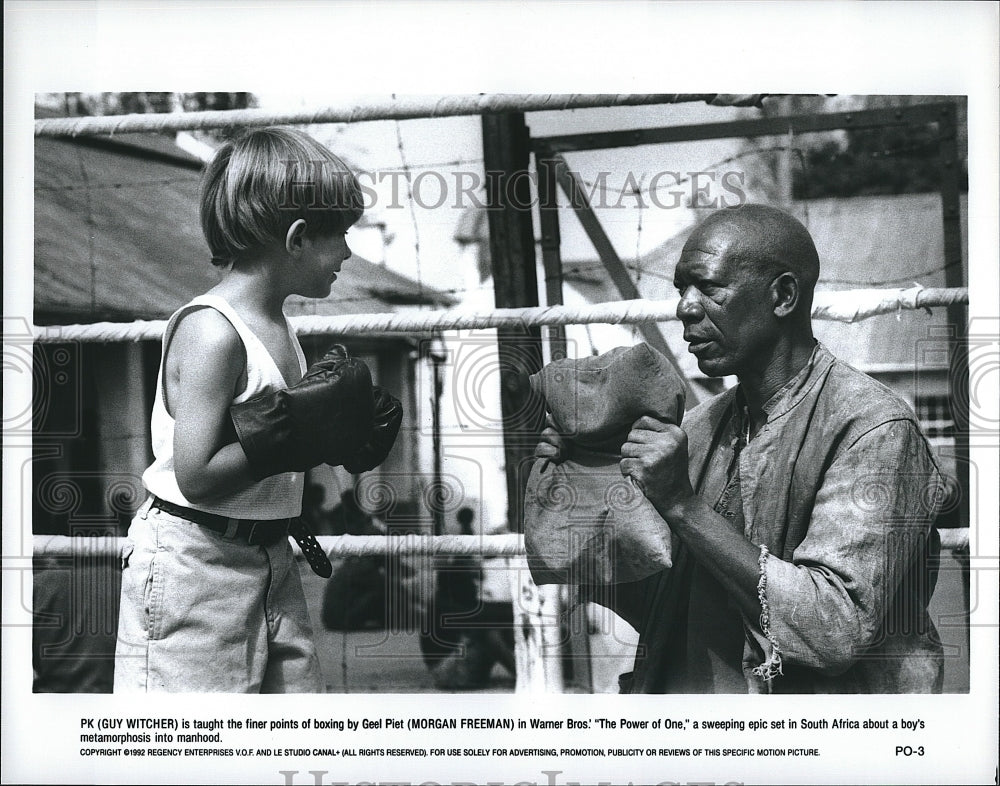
117	237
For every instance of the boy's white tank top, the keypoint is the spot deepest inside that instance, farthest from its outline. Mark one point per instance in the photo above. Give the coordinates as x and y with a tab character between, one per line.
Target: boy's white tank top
276	497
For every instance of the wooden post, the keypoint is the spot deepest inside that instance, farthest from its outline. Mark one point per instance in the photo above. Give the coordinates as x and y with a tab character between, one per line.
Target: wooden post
512	253
576	636
958	372
548	215
537	635
954	276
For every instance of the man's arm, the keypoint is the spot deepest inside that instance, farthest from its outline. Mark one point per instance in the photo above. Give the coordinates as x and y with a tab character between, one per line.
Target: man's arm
870	519
656	457
870	522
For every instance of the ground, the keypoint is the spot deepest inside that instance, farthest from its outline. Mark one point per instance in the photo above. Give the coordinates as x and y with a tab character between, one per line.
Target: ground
385	661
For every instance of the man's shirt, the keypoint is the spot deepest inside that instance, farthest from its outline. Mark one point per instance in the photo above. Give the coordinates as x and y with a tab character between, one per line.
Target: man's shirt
840	487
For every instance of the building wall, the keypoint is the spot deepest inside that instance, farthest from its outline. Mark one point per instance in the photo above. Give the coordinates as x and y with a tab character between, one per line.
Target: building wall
91	428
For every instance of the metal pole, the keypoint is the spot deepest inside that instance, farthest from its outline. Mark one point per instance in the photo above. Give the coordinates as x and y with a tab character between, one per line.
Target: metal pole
731	129
437	360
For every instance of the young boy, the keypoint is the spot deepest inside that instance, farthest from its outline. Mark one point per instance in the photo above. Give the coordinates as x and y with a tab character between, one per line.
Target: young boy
211	596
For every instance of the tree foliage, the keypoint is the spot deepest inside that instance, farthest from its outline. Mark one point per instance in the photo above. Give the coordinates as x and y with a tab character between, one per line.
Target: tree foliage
895	160
873	161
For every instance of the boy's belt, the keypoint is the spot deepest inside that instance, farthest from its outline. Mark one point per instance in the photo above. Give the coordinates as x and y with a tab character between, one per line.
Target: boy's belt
255	532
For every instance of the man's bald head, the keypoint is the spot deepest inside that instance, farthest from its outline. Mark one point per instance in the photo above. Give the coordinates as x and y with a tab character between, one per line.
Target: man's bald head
763	240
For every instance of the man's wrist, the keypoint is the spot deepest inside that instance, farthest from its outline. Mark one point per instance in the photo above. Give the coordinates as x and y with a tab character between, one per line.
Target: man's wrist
676	509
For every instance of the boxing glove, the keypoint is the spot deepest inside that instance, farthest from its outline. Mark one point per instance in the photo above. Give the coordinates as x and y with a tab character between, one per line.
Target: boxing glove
385	428
326	418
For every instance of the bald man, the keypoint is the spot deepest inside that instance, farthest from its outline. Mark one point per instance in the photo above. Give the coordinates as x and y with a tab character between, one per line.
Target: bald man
801	501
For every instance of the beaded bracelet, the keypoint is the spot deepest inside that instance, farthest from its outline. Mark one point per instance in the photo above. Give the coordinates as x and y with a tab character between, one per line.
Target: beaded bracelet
771	667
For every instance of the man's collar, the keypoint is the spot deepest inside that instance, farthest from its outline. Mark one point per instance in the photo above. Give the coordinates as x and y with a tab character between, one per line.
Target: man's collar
792	391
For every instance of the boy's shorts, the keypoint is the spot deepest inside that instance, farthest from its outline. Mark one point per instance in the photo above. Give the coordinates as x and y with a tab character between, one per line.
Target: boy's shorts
203	613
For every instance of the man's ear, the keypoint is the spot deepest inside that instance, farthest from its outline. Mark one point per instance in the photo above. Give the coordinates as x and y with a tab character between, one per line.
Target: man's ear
295	235
785	294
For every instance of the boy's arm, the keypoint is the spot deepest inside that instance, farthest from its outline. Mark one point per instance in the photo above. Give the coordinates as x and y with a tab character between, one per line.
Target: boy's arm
327	417
206	360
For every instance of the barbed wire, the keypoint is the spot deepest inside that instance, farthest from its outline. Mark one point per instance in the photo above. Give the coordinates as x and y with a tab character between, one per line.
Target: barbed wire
638	268
376	296
887	282
641	270
800	153
413	212
604	188
585	267
430	165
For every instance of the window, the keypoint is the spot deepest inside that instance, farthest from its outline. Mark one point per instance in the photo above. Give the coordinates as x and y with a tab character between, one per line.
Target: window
934	415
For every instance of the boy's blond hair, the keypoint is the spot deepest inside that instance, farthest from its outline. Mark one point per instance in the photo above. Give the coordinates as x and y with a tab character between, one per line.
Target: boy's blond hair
257	185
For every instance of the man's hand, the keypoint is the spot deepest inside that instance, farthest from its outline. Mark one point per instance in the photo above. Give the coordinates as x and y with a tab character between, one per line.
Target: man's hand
552	445
655	457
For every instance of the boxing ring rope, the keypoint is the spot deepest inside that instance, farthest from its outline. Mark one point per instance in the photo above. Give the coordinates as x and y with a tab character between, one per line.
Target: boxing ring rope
504	545
402	108
843	306
487	546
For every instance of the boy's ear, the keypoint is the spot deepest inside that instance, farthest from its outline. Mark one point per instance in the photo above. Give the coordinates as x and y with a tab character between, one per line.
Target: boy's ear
295	235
